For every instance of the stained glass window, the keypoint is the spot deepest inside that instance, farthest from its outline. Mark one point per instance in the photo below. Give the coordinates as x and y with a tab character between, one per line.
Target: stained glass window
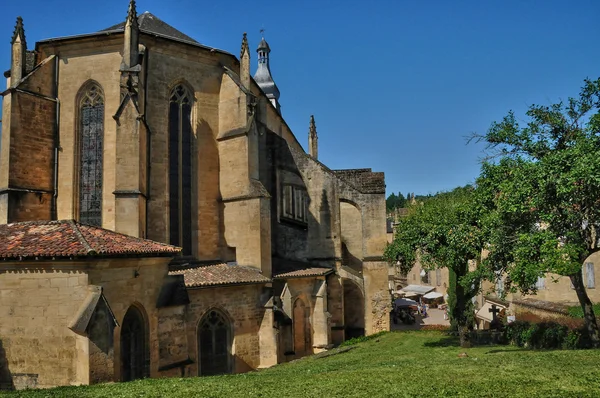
91	156
180	169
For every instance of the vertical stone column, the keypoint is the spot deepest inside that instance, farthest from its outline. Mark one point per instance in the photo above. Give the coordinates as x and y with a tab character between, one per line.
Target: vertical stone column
335	305
377	297
320	319
268	337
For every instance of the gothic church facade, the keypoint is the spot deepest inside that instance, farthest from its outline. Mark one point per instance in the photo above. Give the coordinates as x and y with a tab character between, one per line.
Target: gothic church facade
159	218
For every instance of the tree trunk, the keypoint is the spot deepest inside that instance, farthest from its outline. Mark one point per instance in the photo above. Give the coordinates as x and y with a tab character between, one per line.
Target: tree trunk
588	311
459	310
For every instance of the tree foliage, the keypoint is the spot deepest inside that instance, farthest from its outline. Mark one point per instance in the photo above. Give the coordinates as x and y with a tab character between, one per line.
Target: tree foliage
542	183
444	232
395	201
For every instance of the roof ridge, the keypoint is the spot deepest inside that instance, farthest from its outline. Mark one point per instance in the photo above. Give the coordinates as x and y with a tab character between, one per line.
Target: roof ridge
75	227
122	234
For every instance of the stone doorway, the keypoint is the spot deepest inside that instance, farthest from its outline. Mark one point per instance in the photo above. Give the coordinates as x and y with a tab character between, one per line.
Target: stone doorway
302	329
134	346
214	343
354	310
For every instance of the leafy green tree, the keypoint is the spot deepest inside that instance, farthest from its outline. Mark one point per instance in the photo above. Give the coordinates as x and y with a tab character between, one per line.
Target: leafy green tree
444	232
395	201
543	182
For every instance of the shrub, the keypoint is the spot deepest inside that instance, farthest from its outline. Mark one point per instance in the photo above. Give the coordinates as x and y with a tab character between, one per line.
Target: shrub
544	335
577	312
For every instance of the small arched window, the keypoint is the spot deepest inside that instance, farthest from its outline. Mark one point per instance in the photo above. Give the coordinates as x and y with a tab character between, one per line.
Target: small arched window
91	145
180	168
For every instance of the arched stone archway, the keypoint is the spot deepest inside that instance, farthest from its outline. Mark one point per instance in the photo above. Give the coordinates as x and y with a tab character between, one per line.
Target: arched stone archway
354	310
302	329
135	355
215	339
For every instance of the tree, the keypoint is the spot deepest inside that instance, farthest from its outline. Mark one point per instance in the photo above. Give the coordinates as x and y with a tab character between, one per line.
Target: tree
444	232
395	202
543	182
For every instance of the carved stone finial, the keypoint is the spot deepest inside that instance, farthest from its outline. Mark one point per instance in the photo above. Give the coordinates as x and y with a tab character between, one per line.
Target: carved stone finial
132	15
313	146
19	31
313	126
245	48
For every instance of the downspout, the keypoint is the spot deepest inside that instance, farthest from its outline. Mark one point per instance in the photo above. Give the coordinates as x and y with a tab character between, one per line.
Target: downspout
148	139
54	205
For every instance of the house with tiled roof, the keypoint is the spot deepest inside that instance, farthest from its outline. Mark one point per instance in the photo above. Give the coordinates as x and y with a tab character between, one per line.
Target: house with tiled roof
158	217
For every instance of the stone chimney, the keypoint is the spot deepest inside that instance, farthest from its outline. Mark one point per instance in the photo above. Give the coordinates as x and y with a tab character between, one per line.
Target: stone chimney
19	50
245	63
313	146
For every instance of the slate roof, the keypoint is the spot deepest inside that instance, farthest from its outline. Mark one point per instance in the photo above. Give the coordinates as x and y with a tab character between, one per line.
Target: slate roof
150	23
68	238
220	274
301	273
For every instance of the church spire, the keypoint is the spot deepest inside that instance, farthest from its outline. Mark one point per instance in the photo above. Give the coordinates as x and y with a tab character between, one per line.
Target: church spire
313	148
263	73
18	54
131	37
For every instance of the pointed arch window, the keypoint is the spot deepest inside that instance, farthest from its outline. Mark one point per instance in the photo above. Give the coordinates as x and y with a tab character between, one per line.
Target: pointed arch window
214	344
180	168
91	145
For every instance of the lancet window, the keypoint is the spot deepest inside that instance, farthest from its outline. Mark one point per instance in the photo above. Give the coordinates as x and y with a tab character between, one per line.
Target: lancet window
91	144
180	168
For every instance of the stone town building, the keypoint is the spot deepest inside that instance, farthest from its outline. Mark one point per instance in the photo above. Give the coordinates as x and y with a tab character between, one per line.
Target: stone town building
138	134
553	296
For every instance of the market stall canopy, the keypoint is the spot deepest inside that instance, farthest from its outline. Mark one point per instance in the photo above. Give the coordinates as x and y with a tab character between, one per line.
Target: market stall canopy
402	302
416	289
433	295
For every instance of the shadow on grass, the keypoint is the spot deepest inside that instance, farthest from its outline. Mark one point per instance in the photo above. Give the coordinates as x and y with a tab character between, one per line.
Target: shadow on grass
449	341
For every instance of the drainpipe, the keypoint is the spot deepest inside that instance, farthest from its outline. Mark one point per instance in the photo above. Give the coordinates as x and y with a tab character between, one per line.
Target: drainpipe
54	212
148	138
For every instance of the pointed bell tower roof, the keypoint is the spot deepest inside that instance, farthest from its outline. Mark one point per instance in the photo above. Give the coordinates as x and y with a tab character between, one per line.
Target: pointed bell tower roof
19	32
263	74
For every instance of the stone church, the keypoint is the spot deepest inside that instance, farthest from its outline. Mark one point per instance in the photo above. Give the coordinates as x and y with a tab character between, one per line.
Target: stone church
159	217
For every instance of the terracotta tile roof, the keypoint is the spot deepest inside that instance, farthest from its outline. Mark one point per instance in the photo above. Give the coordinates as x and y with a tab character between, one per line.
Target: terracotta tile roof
220	274
301	273
68	238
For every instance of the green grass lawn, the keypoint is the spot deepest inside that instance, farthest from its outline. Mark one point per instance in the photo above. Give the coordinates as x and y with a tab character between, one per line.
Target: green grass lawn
400	364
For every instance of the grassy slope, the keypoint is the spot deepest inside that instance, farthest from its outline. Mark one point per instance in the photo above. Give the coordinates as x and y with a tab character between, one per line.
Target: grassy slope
409	364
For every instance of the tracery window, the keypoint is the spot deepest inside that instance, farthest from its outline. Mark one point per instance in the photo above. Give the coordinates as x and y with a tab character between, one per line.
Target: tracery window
214	344
91	156
180	168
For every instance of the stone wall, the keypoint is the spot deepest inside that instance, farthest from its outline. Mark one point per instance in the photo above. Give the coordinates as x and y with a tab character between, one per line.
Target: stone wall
127	282
243	306
26	180
199	70
377	297
37	304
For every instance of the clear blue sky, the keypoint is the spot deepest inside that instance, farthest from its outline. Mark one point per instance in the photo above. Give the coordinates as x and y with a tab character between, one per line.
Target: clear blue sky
394	85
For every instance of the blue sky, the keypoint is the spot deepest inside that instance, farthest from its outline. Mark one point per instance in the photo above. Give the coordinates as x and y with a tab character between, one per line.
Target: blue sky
394	85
